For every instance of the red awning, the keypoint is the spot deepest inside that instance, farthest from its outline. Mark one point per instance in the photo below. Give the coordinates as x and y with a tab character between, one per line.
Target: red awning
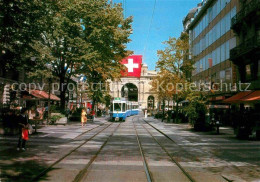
237	98
43	95
254	96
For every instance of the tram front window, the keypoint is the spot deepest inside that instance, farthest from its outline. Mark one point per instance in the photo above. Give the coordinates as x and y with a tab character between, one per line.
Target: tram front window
117	107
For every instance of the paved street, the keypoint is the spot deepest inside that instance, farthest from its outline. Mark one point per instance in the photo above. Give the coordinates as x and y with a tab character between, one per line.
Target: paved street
136	150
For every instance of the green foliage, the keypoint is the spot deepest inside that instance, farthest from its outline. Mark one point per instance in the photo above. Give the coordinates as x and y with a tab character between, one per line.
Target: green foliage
55	118
196	110
84	37
71	36
54	109
20	25
171	58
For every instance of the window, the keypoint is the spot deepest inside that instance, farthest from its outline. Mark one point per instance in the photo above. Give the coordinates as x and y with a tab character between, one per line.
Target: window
214	11
210	37
123	109
214	57
223	4
228	74
210	14
207	61
117	106
223	26
218	7
228	22
227	50
223	53
201	65
233	12
222	75
218	31
232	43
218	55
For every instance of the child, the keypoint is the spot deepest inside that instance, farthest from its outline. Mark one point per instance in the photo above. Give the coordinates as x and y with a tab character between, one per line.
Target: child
23	129
83	117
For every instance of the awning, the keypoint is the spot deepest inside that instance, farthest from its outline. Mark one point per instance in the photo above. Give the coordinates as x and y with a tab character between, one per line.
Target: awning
254	96
42	95
237	98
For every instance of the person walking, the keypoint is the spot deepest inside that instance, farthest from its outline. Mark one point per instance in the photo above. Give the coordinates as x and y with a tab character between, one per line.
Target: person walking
83	117
23	129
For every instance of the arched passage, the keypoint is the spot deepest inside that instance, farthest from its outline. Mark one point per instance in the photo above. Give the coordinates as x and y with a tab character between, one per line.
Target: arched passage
130	91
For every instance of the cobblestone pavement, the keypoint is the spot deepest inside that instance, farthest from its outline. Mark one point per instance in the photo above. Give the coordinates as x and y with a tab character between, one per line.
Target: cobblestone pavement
104	151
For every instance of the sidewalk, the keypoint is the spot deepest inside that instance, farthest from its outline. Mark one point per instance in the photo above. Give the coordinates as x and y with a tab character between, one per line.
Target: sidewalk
47	145
223	130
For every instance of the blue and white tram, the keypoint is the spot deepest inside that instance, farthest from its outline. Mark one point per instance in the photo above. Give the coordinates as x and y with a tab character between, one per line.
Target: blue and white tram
134	108
118	110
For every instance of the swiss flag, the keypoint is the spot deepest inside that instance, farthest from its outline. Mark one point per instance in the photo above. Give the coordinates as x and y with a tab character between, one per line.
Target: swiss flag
133	66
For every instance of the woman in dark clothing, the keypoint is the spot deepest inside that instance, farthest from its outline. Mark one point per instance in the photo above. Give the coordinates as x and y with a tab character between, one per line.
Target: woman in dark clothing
23	124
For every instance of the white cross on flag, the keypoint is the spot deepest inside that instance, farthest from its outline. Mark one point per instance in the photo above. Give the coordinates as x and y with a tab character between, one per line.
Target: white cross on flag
133	66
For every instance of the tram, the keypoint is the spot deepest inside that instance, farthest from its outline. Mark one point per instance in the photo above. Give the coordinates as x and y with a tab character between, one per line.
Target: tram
120	109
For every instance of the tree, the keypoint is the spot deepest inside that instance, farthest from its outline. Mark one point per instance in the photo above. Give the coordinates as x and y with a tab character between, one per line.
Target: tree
108	32
196	110
171	60
86	37
161	87
21	24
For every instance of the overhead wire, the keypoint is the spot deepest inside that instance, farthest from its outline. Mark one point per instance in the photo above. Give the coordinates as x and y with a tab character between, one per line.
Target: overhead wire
148	35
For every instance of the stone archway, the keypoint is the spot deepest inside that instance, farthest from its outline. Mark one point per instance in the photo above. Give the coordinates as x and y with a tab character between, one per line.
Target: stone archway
130	91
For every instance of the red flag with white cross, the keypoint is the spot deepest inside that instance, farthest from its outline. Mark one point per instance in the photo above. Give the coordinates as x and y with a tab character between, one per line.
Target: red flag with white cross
133	66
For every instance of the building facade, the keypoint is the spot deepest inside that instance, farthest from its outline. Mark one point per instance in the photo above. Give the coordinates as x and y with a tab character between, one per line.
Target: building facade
246	54
136	89
211	39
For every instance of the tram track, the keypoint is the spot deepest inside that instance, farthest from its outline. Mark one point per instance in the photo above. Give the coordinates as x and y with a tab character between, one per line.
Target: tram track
146	167
168	153
45	171
170	139
88	131
161	132
83	173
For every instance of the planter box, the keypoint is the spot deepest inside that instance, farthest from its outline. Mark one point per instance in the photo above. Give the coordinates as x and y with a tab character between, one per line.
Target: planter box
62	121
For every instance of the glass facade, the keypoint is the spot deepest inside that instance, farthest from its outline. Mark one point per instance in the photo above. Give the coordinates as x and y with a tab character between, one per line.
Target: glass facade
218	54
222	27
211	14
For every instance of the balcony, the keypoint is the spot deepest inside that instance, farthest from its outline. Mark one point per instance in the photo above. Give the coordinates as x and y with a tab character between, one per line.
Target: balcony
245	11
246	47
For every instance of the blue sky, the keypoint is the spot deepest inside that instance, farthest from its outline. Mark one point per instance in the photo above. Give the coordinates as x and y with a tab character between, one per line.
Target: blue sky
167	21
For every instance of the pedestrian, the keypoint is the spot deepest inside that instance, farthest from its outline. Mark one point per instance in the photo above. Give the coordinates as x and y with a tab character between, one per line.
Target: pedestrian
23	129
83	117
93	114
